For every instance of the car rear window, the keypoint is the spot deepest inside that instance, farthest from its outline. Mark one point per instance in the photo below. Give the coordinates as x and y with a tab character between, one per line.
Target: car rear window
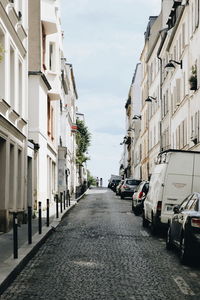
133	182
116	181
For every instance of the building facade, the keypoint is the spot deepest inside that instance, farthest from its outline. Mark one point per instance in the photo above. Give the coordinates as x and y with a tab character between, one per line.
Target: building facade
37	109
13	109
170	63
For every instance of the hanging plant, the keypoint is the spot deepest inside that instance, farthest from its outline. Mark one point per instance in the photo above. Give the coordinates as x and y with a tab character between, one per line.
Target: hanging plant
1	52
193	78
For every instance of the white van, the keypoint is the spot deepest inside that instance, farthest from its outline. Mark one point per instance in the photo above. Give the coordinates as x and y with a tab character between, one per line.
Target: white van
175	176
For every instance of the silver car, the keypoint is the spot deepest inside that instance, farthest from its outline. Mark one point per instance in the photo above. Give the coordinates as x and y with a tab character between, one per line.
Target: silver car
129	187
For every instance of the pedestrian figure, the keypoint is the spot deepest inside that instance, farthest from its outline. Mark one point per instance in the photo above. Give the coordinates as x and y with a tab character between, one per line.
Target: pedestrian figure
101	182
97	182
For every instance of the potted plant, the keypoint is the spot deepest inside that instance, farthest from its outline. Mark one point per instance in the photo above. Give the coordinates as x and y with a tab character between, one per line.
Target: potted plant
193	78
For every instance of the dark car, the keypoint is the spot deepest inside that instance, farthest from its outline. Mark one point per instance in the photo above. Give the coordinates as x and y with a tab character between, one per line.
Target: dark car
139	197
184	228
129	187
114	183
118	188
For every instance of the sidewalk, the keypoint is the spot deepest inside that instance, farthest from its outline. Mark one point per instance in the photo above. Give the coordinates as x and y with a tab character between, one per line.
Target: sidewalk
10	267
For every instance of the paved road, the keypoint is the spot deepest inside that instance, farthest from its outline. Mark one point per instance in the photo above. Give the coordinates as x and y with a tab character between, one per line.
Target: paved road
101	252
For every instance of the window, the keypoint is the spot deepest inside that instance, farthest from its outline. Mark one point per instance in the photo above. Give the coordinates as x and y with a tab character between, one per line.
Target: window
50	120
2	65
19	178
184	203
196	13
183	35
185	132
12	77
43	47
52	57
20	94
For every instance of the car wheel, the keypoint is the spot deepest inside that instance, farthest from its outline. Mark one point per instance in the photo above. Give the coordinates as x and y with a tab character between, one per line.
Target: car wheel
145	222
184	252
122	196
169	239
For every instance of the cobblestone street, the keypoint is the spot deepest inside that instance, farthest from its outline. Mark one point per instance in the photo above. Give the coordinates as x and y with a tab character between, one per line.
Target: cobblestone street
100	251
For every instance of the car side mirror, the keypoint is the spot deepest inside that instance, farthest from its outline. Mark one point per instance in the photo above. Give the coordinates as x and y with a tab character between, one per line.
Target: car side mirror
176	209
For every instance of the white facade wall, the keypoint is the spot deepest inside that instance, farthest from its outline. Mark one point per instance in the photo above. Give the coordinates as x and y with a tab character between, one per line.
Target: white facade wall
13	111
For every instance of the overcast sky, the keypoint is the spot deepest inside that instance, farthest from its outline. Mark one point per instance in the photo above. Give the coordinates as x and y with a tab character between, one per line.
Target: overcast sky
103	40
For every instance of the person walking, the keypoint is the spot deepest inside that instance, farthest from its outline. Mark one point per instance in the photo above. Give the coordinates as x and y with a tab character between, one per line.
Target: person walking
97	182
101	182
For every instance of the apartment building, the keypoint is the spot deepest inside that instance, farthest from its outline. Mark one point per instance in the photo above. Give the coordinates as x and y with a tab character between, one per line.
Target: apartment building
135	93
13	109
52	104
170	63
67	131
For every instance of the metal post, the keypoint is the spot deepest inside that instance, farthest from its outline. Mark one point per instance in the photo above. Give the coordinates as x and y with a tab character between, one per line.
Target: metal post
39	217
29	224
15	235
57	213
69	197
64	200
61	204
47	212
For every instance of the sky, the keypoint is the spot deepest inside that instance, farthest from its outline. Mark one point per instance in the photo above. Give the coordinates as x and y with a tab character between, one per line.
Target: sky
103	39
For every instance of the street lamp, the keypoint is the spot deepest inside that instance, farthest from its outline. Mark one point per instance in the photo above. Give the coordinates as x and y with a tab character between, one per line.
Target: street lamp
171	66
149	99
130	129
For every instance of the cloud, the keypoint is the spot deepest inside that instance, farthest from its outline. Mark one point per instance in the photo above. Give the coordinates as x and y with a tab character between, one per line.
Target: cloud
103	40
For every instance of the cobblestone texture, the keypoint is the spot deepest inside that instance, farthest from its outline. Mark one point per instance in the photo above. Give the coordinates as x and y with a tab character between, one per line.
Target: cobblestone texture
100	251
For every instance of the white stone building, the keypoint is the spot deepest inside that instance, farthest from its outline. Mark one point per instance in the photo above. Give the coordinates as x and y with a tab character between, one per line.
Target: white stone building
52	96
67	131
135	93
13	109
170	79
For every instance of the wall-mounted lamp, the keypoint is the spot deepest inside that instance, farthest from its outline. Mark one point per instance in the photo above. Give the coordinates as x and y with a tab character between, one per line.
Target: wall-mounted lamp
137	117
130	129
149	99
171	65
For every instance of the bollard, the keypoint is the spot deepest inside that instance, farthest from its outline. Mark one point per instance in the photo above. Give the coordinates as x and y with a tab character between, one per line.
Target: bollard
29	224
57	213
69	197
39	217
15	235
47	213
64	200
61	204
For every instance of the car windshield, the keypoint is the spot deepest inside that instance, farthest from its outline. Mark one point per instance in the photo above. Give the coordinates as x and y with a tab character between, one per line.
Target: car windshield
133	182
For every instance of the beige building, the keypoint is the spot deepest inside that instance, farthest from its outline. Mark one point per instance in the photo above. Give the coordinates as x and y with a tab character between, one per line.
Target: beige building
170	61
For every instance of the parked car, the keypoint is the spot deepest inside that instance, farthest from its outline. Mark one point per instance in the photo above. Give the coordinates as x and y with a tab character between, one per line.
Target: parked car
129	186
118	188
114	183
139	197
175	176
113	177
184	228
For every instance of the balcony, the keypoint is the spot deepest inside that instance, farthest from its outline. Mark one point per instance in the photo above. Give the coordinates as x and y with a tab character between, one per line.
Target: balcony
48	16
